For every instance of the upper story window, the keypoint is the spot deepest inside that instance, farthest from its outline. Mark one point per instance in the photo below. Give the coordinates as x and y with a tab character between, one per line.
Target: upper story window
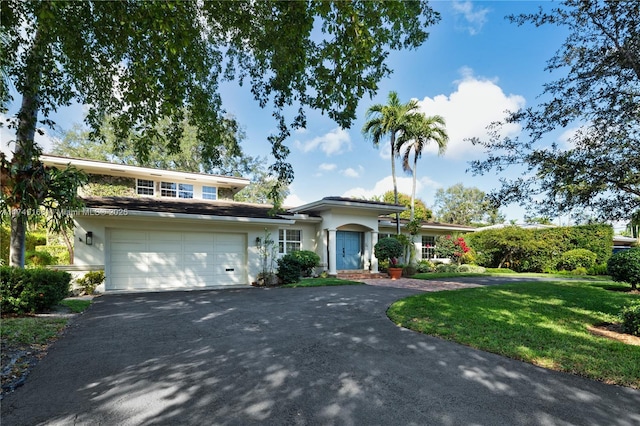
289	240
209	193
168	189
185	190
144	187
428	247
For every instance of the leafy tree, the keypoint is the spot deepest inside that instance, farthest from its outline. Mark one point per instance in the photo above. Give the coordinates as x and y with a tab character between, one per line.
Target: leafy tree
390	120
465	206
422	212
139	62
421	131
599	94
78	142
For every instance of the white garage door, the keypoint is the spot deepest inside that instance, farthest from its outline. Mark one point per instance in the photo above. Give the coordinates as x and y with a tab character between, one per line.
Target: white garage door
156	260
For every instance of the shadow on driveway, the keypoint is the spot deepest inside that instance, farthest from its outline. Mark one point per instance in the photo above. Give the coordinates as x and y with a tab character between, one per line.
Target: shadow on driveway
303	356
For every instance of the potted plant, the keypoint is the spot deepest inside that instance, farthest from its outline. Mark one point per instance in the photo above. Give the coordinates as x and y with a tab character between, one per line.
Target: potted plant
390	249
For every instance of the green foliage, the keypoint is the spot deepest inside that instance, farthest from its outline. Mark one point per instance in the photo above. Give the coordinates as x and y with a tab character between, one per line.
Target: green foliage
294	56
90	281
409	271
422	212
308	260
463	269
580	270
426	266
289	269
389	249
600	269
538	250
597	91
39	258
625	266
33	239
31	290
577	258
60	254
5	238
465	206
630	317
453	248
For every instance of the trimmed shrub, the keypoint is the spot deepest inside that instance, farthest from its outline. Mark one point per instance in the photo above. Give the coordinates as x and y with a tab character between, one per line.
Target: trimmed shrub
409	271
90	281
577	258
289	269
446	267
579	271
538	250
472	268
31	290
600	269
38	258
426	266
625	266
308	260
630	316
388	249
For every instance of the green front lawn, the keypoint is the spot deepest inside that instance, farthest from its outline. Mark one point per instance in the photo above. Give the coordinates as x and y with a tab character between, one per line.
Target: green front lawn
321	282
544	323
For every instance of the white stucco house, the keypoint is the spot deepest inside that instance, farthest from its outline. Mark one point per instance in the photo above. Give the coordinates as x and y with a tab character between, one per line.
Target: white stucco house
169	230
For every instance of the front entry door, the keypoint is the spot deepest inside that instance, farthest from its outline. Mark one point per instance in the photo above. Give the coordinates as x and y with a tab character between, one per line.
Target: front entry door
348	250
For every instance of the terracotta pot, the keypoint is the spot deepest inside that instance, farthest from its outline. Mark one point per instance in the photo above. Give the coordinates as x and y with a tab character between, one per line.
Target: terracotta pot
395	273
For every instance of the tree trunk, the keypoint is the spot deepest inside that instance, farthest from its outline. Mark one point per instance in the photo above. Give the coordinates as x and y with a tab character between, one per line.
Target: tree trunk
17	241
24	151
69	245
413	188
393	176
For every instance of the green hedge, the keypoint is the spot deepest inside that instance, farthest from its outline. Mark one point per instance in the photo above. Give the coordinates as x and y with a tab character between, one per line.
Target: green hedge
31	290
538	250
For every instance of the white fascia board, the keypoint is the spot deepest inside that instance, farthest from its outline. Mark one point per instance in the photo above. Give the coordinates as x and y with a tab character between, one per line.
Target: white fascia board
301	218
124	170
136	213
329	204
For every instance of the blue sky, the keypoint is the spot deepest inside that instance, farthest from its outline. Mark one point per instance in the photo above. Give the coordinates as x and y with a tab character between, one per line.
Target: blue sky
474	66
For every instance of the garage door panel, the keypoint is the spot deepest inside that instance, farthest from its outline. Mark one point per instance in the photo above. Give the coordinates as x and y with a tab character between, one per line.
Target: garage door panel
167	259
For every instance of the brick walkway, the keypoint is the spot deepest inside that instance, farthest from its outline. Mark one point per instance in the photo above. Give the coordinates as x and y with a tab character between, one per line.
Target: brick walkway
423	285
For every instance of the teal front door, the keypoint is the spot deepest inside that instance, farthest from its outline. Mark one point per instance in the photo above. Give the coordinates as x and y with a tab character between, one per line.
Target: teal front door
348	250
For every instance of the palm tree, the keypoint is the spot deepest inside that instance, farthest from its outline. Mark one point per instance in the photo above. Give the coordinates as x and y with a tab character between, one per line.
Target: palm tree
391	119
421	131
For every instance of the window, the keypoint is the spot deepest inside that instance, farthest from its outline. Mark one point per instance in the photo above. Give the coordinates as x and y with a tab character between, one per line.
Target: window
167	189
381	236
289	240
144	187
428	247
185	190
209	193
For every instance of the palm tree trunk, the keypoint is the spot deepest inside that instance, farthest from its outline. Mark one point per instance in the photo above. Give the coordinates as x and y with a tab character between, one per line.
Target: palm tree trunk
413	188
393	176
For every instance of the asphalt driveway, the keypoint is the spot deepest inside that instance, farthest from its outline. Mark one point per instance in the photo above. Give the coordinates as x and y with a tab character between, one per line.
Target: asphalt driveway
302	356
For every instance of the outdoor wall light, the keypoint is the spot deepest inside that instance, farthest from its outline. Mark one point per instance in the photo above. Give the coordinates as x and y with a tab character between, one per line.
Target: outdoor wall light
88	238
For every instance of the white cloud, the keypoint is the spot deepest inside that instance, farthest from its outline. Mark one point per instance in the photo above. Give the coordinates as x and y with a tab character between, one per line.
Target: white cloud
293	200
474	18
475	104
352	173
327	167
386	184
334	142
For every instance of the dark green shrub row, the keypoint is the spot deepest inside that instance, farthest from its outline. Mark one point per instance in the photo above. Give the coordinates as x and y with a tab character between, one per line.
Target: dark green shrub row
31	290
538	250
